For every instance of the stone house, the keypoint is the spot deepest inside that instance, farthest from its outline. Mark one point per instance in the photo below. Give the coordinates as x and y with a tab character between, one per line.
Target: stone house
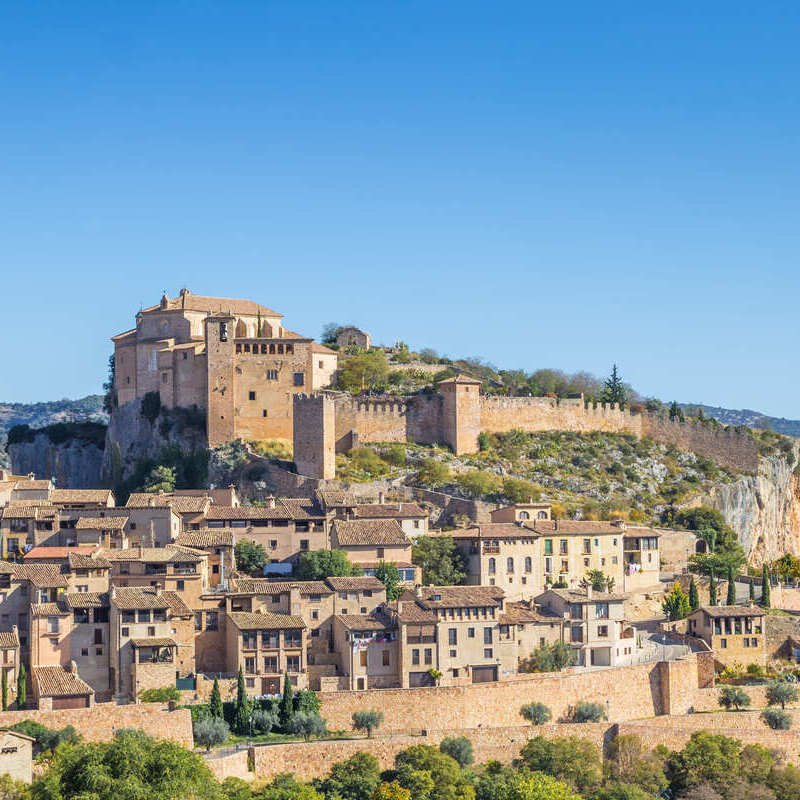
366	651
413	518
521	512
370	541
736	634
25	525
350	336
16	755
218	545
10	659
56	687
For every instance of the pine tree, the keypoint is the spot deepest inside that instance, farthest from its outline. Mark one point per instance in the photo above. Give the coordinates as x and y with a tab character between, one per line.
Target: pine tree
22	687
676	412
694	596
730	599
241	714
215	702
712	589
286	705
765	587
614	391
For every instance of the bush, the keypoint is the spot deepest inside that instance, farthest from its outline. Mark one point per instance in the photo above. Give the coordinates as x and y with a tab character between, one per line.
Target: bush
477	483
151	406
586	711
548	658
46	738
779	693
210	731
459	748
536	713
777	719
520	491
395	454
264	719
733	697
367	721
433	473
161	695
307	724
367	461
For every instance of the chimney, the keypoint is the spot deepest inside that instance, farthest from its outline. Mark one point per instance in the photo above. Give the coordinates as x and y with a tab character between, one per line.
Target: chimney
589	592
418	590
271	502
381	498
141	551
73	668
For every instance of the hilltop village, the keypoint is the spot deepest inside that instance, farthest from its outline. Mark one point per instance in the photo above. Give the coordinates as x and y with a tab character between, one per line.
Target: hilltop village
111	604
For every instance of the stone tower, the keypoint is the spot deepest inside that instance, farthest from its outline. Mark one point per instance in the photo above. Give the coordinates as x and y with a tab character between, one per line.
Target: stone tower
314	435
461	413
220	354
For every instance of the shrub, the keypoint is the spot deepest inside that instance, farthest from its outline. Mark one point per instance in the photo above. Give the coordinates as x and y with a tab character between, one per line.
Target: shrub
46	738
366	460
548	658
586	711
367	721
395	454
733	697
777	719
536	713
477	483
307	724
433	473
210	731
161	695
779	693
459	748
264	719
520	491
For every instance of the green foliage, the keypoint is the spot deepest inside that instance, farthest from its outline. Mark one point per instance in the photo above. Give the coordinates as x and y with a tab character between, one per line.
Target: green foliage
366	462
365	370
706	758
517	490
47	739
622	791
598	580
766	589
163	694
215	701
11	789
160	479
286	706
22	686
777	719
390	577
356	778
587	711
250	557
781	693
570	759
242	709
459	748
86	432
721	538
676	604
694	595
733	697
316	565
477	483
536	713
307	700
712	588
151	406
306	724
264	720
548	658
419	766
367	721
433	473
614	390
210	731
441	561
730	599
630	763
286	787
395	454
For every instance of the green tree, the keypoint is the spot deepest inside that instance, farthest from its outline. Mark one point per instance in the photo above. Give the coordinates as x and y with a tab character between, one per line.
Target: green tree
441	561
5	690
536	713
287	787
676	604
785	782
766	600
356	778
706	758
588	711
712	589
160	479
780	693
570	759
422	764
306	724
622	791
459	748
22	686
317	565
209	731
676	412
548	658
517	490
250	557
433	473
286	706
478	483
366	370
538	786
390	577
11	789
264	719
242	708
215	701
777	719
730	599
694	595
598	580
367	721
614	390
329	332
160	694
751	590
631	763
733	697
46	739
391	791
709	523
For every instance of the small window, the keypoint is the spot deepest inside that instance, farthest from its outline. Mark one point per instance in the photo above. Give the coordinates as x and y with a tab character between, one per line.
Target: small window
272	374
251	395
487	653
385	658
84	651
299	379
263	412
223	331
125	632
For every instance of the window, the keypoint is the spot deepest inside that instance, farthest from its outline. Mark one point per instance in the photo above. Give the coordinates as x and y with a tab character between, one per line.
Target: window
272	374
299	378
415	656
510	565
251	395
487	635
250	683
270	663
180	585
315	614
270	639
151	630
548	547
548	566
304	544
362	610
125	632
198	620
293	663
293	638
723	643
84	651
380	552
52	624
362	660
276	598
492	566
385	658
563	547
143	615
80	615
212	620
452	636
487	652
453	653
602	631
223	332
754	643
98	636
250	664
601	610
428	655
587	545
528	564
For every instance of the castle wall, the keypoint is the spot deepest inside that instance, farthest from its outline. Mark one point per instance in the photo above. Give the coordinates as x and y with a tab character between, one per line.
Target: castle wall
221	390
313	436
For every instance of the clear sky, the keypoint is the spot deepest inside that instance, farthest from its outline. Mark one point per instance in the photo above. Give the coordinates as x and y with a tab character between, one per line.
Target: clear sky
539	184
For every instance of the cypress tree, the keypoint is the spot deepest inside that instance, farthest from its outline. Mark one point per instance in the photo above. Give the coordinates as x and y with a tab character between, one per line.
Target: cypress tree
752	591
5	690
765	587
22	687
241	716
215	703
731	598
712	588
694	596
286	705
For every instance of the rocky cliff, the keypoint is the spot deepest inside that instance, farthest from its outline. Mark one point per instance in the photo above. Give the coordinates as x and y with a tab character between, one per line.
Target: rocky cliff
764	509
74	464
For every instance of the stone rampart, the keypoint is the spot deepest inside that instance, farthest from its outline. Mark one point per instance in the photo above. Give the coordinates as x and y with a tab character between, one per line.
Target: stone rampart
98	723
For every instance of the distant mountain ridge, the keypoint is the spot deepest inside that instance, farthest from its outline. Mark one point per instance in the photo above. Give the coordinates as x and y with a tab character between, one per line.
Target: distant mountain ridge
748	418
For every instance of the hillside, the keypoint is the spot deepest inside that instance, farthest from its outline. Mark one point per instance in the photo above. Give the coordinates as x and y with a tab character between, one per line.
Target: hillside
747	417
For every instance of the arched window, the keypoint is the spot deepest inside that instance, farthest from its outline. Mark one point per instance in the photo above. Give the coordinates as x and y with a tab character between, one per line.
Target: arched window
492	566
509	565
524	515
241	329
528	564
541	515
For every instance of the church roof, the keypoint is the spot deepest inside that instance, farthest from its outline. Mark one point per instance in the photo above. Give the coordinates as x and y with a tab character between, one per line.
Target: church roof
186	301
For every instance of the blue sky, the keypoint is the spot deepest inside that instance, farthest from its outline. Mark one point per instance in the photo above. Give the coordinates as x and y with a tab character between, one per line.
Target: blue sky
538	184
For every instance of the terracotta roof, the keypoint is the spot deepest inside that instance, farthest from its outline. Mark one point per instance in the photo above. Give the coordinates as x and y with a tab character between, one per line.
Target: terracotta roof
280	511
147	500
461	379
43	552
8	639
246	621
316	347
333	498
303	507
362	622
213	305
86	599
99	496
581	596
460	596
177	606
87	561
33	485
48	610
207	537
408	610
494	530
556	527
355	583
732	611
163	641
266	587
161	555
189	504
29	511
355	532
43	576
522	612
110	523
128	598
389	511
59	682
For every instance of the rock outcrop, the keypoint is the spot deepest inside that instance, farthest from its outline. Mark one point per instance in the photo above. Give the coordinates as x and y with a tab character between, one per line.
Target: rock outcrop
74	464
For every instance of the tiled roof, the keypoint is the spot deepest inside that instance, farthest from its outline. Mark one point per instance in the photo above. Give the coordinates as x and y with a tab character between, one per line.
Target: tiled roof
333	498
460	379
389	511
355	583
246	621
362	622
207	537
43	576
410	611
163	641
8	639
733	611
214	305
580	596
354	532
147	500
99	496
29	511
495	530
460	596
86	600
45	552
303	508
129	598
556	527
265	587
189	504
33	485
115	523
320	348
87	561
249	512
48	610
59	682
161	555
521	612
